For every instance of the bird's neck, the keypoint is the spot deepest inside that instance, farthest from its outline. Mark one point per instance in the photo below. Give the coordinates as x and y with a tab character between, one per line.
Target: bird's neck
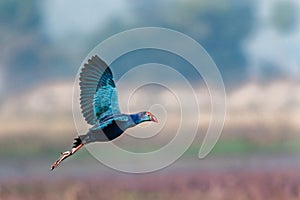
136	118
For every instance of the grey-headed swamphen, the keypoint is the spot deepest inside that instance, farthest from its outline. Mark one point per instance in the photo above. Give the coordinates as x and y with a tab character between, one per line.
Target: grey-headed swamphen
100	108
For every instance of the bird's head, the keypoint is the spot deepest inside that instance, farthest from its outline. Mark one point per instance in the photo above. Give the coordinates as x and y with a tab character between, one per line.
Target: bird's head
147	116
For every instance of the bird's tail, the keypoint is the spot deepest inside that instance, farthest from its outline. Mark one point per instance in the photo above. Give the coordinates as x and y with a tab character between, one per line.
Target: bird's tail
81	139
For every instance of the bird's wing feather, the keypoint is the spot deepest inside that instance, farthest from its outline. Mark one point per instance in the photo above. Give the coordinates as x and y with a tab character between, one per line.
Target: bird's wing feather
98	97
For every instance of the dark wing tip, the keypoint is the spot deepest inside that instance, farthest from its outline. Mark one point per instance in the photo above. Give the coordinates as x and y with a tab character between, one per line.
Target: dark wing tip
95	59
92	58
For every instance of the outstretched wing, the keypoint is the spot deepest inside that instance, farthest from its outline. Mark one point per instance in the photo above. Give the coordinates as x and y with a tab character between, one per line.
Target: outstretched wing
98	97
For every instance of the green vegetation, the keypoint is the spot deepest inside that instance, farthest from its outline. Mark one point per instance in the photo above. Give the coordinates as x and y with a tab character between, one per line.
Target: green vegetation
39	148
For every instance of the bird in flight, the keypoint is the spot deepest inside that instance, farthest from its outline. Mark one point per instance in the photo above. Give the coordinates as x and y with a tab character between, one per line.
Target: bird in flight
100	108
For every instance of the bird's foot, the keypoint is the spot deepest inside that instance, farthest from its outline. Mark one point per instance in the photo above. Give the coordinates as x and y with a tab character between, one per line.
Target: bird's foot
63	156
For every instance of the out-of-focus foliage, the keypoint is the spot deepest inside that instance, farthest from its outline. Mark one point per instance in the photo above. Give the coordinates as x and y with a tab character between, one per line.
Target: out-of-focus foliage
284	16
26	54
220	26
20	38
29	55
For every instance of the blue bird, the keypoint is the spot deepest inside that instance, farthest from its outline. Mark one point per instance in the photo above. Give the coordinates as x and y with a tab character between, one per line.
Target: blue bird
100	108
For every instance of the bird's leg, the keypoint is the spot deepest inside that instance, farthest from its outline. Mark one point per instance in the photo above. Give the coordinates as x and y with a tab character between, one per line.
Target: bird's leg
76	148
65	155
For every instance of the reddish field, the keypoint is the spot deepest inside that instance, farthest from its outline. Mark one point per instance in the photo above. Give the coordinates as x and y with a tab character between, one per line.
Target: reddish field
238	185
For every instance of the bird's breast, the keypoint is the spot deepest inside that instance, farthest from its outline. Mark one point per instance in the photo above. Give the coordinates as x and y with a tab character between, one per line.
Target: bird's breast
108	133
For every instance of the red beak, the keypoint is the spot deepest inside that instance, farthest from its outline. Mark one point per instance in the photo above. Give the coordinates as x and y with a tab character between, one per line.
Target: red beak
152	117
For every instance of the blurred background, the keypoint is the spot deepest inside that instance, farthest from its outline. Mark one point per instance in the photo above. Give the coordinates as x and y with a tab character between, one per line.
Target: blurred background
256	46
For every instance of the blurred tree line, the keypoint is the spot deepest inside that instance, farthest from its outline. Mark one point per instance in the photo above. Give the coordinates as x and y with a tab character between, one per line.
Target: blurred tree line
219	26
29	56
